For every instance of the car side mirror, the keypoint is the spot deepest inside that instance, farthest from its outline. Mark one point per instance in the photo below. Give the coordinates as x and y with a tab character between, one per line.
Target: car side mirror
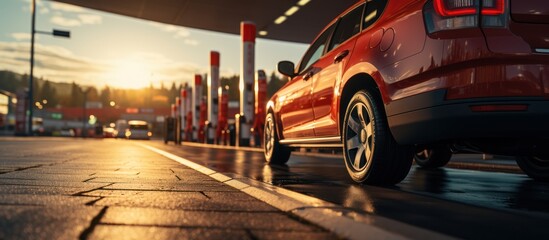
286	68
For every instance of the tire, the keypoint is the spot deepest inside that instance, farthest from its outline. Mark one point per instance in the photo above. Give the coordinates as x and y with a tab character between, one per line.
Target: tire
275	153
534	167
433	156
370	152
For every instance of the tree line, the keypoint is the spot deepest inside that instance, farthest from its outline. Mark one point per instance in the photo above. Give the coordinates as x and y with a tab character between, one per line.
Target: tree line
58	94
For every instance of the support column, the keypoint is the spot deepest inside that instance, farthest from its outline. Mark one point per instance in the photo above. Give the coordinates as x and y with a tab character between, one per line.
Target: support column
189	114
222	131
183	112
173	110
197	102
247	69
213	97
177	121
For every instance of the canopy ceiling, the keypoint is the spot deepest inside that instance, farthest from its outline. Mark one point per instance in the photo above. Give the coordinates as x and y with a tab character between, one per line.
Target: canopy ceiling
225	15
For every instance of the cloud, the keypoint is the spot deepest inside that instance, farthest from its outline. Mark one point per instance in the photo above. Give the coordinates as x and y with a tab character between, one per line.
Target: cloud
191	42
90	19
82	19
54	63
44	10
27	8
64	22
65	7
38	3
22	36
66	15
182	33
178	32
61	65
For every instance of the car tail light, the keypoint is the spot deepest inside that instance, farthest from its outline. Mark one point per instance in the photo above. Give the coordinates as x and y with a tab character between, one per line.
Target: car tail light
499	108
455	8
493	7
494	13
443	15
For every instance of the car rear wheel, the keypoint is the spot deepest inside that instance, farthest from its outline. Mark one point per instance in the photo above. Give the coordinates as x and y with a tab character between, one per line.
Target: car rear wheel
275	153
371	154
535	167
433	156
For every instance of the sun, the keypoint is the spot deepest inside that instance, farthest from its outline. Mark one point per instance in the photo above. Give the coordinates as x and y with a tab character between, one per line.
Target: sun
130	74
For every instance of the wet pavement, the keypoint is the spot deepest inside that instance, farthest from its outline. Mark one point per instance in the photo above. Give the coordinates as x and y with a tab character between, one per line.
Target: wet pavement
60	188
460	203
56	188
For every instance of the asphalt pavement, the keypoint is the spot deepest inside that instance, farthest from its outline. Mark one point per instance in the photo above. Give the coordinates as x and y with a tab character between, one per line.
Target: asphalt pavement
107	189
71	188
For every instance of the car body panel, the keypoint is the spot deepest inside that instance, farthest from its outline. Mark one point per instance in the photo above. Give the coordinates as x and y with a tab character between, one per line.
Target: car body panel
295	112
530	11
324	89
405	62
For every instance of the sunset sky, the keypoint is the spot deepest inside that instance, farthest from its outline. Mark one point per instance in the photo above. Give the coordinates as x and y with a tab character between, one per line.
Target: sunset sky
120	51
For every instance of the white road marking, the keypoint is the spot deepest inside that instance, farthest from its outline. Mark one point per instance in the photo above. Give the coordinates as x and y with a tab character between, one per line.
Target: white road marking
337	219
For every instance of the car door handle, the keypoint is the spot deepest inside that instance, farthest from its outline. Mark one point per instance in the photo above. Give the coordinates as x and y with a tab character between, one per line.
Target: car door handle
340	56
308	75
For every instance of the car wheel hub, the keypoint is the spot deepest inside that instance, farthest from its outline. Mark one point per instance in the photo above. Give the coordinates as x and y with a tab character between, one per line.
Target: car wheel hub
363	136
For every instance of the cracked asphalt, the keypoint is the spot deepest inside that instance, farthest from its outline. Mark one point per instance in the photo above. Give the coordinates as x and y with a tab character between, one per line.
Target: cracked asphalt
61	188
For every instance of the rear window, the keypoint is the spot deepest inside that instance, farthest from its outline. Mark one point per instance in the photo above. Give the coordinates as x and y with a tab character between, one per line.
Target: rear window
373	12
348	26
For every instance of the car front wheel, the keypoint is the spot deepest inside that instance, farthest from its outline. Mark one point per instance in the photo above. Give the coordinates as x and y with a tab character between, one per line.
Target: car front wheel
275	153
371	154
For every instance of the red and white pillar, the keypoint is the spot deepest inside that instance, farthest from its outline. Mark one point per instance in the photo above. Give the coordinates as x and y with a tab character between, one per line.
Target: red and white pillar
177	120
202	120
247	72
173	110
188	113
183	112
222	126
213	96
197	102
177	107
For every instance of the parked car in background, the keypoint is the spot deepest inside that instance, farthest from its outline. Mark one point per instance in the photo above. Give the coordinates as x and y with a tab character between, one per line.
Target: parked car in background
120	128
108	132
138	130
387	80
65	132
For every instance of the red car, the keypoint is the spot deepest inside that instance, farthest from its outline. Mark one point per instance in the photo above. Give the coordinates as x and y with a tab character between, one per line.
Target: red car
388	80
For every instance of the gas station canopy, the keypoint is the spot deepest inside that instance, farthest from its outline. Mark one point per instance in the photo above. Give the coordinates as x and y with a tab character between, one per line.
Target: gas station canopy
286	20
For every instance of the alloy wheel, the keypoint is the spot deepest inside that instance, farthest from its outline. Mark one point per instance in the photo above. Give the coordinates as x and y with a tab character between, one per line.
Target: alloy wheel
269	137
359	137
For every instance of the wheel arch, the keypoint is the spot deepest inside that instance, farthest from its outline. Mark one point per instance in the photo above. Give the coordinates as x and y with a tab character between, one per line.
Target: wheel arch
359	81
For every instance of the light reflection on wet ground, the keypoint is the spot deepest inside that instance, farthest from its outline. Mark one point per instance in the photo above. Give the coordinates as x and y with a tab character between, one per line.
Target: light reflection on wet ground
462	203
